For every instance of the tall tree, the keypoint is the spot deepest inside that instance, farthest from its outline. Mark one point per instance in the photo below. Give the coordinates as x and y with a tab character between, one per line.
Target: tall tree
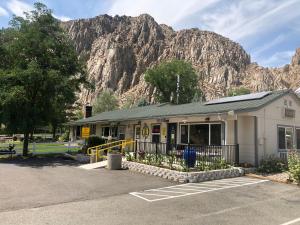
42	73
106	101
164	77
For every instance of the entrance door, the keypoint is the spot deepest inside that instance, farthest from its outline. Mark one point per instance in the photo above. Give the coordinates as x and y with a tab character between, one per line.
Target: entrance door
137	132
171	136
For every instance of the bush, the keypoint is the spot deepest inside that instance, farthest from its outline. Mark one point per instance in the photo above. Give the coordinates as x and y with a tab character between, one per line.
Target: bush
272	164
94	140
294	166
64	136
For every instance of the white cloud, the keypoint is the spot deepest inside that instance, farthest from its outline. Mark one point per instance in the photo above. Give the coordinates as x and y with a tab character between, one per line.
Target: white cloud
3	12
273	43
163	11
236	19
62	18
278	59
18	7
246	18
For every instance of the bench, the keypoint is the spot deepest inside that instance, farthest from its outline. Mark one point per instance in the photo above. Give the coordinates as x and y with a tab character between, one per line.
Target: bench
8	151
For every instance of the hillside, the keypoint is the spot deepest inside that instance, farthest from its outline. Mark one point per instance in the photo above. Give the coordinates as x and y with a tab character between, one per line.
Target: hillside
118	50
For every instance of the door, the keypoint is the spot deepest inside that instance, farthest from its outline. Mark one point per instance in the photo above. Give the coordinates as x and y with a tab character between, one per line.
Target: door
137	132
171	136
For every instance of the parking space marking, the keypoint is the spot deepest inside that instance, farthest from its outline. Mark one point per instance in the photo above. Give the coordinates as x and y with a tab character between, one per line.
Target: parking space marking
292	221
181	190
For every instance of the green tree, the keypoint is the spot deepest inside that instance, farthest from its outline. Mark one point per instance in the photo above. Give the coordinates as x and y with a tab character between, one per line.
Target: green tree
238	91
42	72
142	102
106	101
164	78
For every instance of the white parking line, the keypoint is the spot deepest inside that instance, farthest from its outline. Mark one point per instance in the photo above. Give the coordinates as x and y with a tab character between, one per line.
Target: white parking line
292	221
181	190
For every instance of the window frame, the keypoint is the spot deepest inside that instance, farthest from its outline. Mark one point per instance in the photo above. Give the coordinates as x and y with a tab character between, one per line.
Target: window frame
157	134
285	140
209	131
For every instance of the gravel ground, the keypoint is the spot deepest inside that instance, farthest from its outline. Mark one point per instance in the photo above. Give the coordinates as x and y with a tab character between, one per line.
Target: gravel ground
277	177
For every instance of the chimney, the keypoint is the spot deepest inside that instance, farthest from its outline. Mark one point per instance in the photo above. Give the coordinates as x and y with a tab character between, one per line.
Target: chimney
88	111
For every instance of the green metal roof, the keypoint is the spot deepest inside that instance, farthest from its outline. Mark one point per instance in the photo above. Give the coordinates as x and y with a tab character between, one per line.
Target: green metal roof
170	110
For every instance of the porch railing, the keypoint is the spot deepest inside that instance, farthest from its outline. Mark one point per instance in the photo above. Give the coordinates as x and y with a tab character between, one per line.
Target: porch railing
205	155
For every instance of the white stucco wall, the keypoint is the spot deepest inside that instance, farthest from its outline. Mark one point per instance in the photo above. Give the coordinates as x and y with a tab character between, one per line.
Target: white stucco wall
246	139
268	119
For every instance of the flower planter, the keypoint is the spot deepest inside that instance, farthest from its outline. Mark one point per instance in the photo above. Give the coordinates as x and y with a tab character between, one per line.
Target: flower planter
114	161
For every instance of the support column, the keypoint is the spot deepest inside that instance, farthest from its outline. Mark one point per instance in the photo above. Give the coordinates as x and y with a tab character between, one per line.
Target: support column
237	151
255	142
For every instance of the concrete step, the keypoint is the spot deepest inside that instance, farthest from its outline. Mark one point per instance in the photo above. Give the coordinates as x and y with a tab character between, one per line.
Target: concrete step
96	165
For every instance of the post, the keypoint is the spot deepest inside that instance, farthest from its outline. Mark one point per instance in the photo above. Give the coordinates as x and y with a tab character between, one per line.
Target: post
33	148
135	150
237	154
177	90
255	142
156	152
237	148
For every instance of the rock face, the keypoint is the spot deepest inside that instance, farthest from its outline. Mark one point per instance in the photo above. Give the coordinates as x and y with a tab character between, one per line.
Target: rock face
118	50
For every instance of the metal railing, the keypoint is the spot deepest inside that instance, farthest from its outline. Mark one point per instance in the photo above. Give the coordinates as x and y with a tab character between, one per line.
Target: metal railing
204	155
100	151
283	153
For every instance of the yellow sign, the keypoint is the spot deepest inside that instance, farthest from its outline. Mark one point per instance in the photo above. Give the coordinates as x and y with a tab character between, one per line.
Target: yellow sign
85	132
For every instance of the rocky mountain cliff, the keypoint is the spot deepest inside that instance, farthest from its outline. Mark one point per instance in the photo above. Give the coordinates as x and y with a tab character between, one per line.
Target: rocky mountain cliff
118	50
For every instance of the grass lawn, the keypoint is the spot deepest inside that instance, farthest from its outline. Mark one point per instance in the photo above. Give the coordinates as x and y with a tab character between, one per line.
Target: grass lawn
43	147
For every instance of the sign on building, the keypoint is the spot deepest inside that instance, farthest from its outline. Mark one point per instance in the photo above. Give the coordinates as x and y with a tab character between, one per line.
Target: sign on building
85	132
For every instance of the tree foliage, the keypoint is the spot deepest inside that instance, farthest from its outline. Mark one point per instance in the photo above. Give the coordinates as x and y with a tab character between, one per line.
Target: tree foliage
164	78
106	101
40	75
238	91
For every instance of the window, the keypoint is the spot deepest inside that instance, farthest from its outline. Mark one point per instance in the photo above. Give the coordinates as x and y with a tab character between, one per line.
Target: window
122	132
215	134
184	130
156	133
114	132
93	129
201	134
137	132
285	137
105	131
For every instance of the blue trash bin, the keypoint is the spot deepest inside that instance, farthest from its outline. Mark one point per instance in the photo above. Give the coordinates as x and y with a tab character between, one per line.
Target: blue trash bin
189	156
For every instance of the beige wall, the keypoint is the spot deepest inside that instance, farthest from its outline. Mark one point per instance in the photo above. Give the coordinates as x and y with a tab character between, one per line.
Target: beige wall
268	119
246	139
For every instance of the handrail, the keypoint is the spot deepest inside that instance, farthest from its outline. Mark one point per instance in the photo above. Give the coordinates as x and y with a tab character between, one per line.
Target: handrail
96	150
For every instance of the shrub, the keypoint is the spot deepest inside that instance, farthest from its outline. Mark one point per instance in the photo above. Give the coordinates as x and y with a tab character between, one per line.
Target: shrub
94	140
272	164
64	136
294	166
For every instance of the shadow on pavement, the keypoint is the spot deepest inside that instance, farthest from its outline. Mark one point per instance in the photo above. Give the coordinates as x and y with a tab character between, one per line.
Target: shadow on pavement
41	161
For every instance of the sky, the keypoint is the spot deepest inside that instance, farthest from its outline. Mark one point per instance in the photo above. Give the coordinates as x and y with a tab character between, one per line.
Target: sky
269	30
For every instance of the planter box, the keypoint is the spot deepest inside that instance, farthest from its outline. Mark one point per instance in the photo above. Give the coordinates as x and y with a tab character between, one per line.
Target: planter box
183	177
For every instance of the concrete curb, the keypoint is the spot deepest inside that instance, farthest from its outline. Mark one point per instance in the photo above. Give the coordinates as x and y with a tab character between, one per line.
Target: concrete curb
183	177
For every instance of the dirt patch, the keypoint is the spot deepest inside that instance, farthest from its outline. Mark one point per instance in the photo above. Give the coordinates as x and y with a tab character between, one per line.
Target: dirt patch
276	177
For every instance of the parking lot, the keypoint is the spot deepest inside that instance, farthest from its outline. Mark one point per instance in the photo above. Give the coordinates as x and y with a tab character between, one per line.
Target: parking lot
58	192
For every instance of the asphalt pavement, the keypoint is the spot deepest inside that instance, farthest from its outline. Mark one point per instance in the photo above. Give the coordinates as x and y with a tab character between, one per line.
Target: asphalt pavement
58	192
